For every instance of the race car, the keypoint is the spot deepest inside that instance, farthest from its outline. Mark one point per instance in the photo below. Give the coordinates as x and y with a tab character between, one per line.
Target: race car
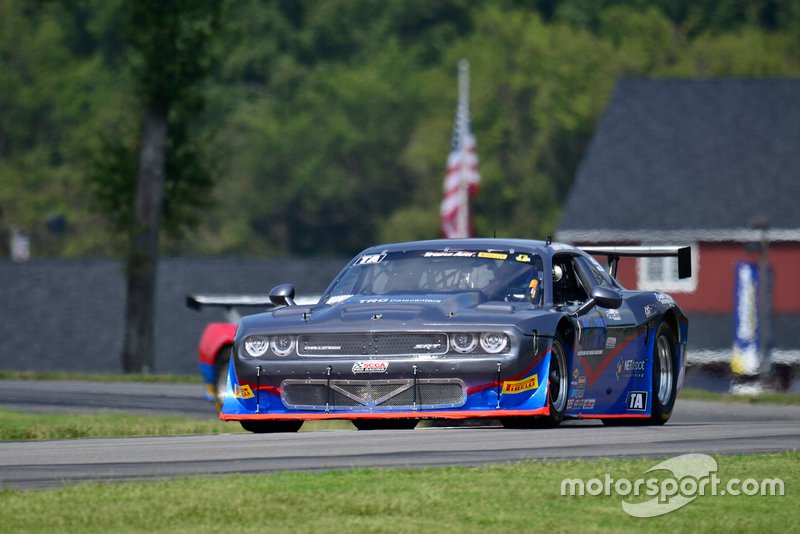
527	332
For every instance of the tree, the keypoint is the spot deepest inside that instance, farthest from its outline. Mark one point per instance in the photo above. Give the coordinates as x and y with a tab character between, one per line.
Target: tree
169	46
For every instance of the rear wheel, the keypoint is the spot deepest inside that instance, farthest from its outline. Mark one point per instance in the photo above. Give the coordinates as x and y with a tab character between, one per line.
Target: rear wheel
664	382
557	391
665	376
270	427
385	424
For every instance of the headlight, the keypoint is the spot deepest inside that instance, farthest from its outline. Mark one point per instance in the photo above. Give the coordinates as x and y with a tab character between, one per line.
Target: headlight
494	342
282	345
256	346
464	342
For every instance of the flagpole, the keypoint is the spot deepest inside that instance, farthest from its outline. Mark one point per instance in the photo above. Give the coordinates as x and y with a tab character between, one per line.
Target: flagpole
463	125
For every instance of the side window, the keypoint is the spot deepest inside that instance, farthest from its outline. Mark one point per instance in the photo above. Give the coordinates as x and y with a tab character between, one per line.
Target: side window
601	277
567	287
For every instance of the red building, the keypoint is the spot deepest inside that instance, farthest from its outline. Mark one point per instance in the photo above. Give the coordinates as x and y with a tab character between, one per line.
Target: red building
699	163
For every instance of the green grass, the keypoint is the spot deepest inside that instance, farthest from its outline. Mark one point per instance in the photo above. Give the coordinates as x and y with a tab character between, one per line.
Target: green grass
22	425
101	377
32	426
762	398
524	497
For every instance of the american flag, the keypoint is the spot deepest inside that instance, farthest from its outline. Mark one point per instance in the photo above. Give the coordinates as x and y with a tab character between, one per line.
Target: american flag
462	168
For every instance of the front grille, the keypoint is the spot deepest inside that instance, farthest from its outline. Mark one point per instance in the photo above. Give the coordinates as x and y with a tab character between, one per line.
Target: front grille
392	344
425	394
319	395
428	395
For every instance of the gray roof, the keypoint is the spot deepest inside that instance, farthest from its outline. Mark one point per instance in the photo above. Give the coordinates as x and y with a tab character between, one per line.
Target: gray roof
696	155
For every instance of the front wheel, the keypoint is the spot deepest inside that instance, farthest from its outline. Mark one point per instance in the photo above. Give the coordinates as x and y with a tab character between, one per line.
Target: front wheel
221	376
271	427
557	391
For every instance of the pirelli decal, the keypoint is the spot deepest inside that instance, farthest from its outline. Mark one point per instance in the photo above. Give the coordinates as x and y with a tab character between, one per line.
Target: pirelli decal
243	392
518	386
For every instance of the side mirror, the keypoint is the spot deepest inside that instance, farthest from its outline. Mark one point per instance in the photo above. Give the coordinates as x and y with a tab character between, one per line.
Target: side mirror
605	297
282	295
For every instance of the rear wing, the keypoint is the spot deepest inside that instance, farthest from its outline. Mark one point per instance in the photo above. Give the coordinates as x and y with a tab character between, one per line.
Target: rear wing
684	255
198	302
231	303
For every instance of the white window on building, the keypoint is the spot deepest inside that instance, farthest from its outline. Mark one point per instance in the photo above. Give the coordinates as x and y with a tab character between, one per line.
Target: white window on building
661	274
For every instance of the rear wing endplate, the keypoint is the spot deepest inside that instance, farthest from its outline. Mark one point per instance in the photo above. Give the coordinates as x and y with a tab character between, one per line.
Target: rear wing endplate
683	253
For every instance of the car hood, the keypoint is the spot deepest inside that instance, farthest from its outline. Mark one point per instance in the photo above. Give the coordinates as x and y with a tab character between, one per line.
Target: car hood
365	313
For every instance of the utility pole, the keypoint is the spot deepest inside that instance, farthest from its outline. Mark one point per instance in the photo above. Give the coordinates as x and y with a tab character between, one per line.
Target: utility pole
765	368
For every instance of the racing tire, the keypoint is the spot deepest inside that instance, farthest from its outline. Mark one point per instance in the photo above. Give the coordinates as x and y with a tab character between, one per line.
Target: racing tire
557	392
271	427
221	363
385	424
665	375
664	382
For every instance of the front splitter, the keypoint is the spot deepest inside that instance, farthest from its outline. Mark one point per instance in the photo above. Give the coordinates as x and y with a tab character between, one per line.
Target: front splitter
464	414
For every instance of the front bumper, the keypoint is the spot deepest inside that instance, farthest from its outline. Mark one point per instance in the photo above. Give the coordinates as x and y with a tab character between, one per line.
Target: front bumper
408	388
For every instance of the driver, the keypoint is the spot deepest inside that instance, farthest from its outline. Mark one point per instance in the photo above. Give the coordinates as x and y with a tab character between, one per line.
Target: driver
520	283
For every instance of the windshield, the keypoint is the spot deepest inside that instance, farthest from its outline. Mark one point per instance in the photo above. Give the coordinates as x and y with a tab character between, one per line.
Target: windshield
496	275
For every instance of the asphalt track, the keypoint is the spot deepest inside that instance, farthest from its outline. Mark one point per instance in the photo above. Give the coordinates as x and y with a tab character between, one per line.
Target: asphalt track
705	427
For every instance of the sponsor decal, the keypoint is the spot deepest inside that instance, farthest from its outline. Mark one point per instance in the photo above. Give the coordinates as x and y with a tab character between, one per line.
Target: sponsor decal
627	368
663	298
370	259
575	373
613	315
581	381
492	255
524	258
242	392
570	404
592	342
588	404
633	365
637	401
336	299
449	254
518	386
611	342
372	366
579	394
649	310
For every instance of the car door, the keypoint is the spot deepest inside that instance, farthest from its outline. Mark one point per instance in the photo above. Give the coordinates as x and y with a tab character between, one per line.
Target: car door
570	291
621	368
